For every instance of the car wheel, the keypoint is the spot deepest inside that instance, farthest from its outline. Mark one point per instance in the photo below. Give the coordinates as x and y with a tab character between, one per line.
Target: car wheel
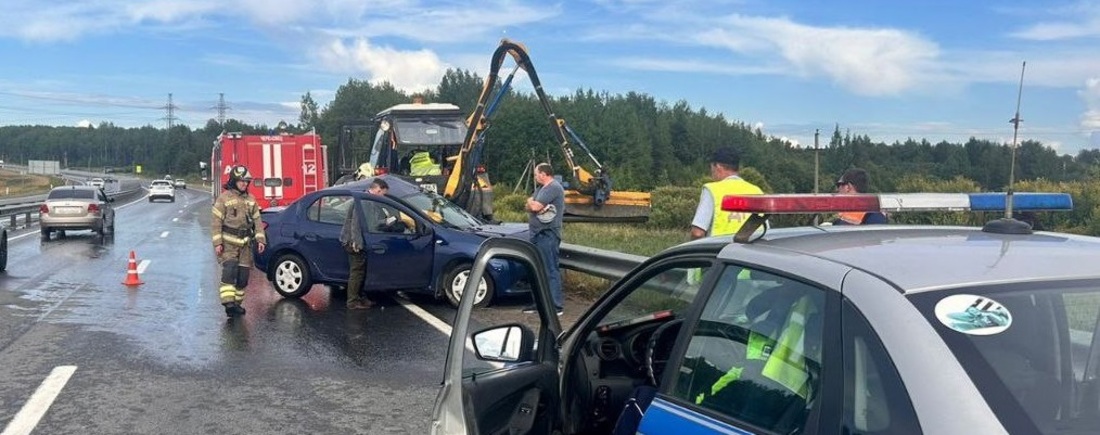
454	282
291	276
3	250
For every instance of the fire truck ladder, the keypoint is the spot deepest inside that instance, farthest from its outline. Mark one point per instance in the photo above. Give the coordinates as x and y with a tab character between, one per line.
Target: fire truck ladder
309	169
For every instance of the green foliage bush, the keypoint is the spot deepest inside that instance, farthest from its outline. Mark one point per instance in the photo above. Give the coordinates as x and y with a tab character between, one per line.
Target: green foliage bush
673	207
508	207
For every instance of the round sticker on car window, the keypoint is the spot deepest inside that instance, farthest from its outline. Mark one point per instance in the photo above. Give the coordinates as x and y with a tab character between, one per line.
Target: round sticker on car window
974	315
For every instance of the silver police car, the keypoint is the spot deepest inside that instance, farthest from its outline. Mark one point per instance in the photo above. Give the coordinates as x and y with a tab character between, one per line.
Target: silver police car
878	329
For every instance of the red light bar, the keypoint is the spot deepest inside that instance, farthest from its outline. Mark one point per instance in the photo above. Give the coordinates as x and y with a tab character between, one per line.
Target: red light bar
800	203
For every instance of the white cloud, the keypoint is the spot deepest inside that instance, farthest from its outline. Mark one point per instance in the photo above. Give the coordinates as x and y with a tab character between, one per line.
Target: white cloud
1090	120
864	61
84	123
1091	96
63	20
166	11
1074	21
444	24
693	66
406	70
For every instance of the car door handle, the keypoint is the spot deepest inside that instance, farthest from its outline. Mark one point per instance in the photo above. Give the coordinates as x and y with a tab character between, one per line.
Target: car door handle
378	248
310	236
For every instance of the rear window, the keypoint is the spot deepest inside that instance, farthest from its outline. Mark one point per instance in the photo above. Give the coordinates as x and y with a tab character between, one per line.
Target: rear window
71	194
1031	349
160	183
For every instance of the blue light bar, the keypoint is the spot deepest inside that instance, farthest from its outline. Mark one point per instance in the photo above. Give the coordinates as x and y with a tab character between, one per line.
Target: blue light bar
1021	201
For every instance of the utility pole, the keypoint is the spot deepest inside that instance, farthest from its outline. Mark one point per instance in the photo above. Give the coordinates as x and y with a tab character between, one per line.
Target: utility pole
817	161
222	108
171	108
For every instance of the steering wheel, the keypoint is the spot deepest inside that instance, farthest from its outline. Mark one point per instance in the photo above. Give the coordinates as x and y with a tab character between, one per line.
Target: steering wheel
656	356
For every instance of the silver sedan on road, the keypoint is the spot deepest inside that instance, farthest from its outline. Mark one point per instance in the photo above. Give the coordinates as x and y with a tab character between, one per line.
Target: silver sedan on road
76	208
875	329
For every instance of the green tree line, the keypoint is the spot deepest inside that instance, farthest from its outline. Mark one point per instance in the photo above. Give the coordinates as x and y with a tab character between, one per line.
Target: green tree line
644	143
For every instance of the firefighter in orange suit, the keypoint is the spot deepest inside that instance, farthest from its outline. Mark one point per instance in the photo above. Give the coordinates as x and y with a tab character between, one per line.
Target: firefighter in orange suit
234	226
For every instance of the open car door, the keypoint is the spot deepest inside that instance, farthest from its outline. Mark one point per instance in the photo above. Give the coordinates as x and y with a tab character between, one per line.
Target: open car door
502	379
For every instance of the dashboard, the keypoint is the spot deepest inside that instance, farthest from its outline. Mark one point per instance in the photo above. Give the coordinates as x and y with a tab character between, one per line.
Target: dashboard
612	364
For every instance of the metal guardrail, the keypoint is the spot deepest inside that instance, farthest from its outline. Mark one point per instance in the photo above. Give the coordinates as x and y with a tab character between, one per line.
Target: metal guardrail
27	212
14	211
605	264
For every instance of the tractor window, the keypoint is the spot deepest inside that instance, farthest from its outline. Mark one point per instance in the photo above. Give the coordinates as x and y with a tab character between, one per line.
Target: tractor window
430	132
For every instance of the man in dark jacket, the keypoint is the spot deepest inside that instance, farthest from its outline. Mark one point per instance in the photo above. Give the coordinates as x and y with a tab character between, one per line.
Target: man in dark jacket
351	237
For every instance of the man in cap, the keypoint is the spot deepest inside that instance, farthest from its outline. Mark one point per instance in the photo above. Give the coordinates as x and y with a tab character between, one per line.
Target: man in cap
855	181
710	219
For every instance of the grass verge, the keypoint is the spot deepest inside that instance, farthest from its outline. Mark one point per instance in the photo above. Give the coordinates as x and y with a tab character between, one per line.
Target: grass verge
14	184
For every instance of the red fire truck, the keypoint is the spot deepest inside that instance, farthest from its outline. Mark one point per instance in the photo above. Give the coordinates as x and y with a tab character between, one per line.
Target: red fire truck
284	167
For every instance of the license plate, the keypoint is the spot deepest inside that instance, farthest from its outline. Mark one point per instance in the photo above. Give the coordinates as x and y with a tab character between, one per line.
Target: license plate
429	187
70	210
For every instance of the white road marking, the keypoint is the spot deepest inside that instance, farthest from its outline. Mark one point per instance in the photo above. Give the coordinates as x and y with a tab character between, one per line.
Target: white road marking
164	234
426	316
141	268
36	407
437	324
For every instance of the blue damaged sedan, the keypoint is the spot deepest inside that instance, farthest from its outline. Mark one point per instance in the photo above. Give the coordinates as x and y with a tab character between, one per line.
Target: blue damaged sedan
430	253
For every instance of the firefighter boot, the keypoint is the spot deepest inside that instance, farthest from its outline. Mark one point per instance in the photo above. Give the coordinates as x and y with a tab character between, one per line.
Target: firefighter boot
233	309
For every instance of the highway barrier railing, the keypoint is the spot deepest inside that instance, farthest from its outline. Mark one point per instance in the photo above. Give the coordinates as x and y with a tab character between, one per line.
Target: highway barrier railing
605	264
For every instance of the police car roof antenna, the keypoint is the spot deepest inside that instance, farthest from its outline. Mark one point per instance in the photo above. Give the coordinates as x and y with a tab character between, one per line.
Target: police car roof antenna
1009	225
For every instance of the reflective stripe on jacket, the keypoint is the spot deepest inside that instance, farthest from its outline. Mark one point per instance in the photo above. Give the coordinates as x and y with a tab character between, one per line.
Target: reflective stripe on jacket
724	222
240	214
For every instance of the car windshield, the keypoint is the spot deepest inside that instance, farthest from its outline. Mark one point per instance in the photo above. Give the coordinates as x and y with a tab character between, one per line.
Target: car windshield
431	132
441	211
72	194
1028	347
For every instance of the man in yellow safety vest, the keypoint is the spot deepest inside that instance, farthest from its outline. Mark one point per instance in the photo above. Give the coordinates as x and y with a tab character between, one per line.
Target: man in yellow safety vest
710	219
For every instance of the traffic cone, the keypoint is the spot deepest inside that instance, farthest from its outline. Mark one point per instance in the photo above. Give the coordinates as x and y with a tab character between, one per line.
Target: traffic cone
132	273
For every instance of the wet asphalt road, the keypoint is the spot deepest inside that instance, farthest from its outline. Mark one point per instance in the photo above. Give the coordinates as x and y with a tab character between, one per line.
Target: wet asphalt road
162	357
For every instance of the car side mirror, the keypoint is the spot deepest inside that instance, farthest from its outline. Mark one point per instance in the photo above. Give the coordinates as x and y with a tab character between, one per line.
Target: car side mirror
506	343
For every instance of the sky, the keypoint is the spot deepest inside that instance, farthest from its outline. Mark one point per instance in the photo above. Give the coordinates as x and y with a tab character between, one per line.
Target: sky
937	70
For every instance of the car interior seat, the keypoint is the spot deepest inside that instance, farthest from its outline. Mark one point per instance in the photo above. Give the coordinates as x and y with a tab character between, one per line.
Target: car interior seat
758	398
1025	356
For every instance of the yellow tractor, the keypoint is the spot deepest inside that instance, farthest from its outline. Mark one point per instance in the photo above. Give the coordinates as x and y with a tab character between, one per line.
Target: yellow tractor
589	195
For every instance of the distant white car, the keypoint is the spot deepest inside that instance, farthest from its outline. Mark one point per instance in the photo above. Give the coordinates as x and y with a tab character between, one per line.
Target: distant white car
180	183
97	182
162	189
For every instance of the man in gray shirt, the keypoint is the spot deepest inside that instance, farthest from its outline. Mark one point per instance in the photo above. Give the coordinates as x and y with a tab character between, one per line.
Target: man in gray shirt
544	213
